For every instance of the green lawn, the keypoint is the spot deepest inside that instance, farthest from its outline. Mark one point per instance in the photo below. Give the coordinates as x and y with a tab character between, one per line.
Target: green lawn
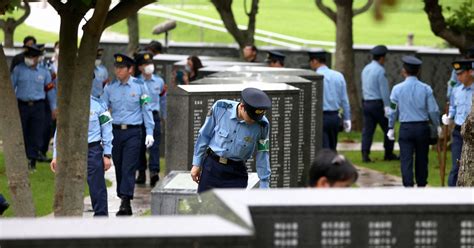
393	167
24	30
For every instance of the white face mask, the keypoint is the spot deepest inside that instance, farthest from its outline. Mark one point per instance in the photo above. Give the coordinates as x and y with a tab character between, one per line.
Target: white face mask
29	61
187	68
149	69
98	62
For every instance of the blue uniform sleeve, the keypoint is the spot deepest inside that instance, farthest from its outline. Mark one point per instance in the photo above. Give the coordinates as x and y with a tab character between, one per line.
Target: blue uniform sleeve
451	83
345	100
146	112
452	107
394	106
433	109
54	145
383	87
105	96
14	78
204	137
51	93
263	158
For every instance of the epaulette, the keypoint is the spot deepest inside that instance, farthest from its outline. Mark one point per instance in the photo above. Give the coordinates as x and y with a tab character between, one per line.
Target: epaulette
263	123
138	81
224	105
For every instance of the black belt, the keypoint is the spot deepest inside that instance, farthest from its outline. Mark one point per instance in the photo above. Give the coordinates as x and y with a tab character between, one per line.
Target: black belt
30	103
457	128
414	122
125	126
222	160
92	144
155	112
375	101
331	112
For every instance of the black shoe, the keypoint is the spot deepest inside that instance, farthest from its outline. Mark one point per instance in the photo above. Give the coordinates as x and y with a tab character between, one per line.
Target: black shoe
125	208
32	164
154	178
141	178
390	157
366	158
3	206
43	158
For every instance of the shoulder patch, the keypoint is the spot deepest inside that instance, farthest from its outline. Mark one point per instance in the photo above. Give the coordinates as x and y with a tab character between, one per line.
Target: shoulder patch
138	81
263	123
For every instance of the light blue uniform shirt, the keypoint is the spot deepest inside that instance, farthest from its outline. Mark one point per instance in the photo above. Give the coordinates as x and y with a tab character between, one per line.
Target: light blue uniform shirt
452	83
123	99
335	92
30	84
101	76
232	138
156	87
100	126
414	102
375	83
462	102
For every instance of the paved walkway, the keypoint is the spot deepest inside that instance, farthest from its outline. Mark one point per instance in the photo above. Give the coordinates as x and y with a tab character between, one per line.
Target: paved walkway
355	146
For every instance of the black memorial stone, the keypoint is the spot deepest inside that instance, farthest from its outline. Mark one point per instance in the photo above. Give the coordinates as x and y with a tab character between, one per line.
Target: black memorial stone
190	104
308	117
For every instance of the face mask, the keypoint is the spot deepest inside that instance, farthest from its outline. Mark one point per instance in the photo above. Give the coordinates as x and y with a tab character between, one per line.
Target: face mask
98	62
187	68
29	61
149	69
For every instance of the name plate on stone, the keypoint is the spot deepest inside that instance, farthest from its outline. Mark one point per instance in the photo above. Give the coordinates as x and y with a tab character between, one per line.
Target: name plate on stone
308	118
190	104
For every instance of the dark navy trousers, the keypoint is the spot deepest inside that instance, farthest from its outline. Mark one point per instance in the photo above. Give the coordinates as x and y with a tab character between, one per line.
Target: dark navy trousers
216	175
374	114
456	149
154	150
49	127
96	179
32	116
414	143
125	153
331	125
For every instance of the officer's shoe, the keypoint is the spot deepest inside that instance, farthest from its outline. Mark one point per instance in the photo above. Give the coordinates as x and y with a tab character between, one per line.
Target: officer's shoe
366	158
32	164
390	157
125	208
43	158
154	178
141	178
3	206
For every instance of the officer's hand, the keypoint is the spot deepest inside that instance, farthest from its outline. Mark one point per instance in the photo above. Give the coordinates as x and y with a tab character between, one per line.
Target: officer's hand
107	163
196	173
53	165
54	114
347	126
149	141
391	134
446	119
440	131
387	111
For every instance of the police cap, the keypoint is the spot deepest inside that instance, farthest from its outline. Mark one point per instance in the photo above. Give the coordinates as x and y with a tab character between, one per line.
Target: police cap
33	51
144	57
463	65
275	56
255	103
379	50
411	62
317	54
121	60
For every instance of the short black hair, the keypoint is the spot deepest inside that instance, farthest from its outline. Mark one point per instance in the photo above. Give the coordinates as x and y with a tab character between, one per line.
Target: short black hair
320	60
333	166
411	70
377	57
28	38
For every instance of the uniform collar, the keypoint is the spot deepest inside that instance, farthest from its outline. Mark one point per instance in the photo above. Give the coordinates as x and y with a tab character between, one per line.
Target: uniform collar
233	115
130	79
470	87
411	79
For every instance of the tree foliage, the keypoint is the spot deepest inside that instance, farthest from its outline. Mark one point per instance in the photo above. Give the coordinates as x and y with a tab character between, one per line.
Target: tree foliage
462	19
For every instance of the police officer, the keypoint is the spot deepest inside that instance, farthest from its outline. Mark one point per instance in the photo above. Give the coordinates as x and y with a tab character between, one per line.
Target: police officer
412	101
453	81
458	111
275	59
99	154
101	75
32	84
250	53
157	89
375	103
19	58
129	101
228	138
334	98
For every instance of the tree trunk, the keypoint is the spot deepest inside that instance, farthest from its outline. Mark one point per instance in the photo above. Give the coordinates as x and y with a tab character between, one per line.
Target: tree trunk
14	150
345	57
133	34
466	167
8	32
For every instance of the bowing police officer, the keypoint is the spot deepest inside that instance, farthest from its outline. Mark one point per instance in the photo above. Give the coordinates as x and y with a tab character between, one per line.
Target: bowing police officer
157	89
414	105
375	103
32	84
231	133
334	99
275	59
458	111
129	101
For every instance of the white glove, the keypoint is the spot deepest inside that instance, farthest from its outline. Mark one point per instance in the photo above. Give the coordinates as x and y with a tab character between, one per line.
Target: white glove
387	111
440	131
149	141
446	119
391	134
347	126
